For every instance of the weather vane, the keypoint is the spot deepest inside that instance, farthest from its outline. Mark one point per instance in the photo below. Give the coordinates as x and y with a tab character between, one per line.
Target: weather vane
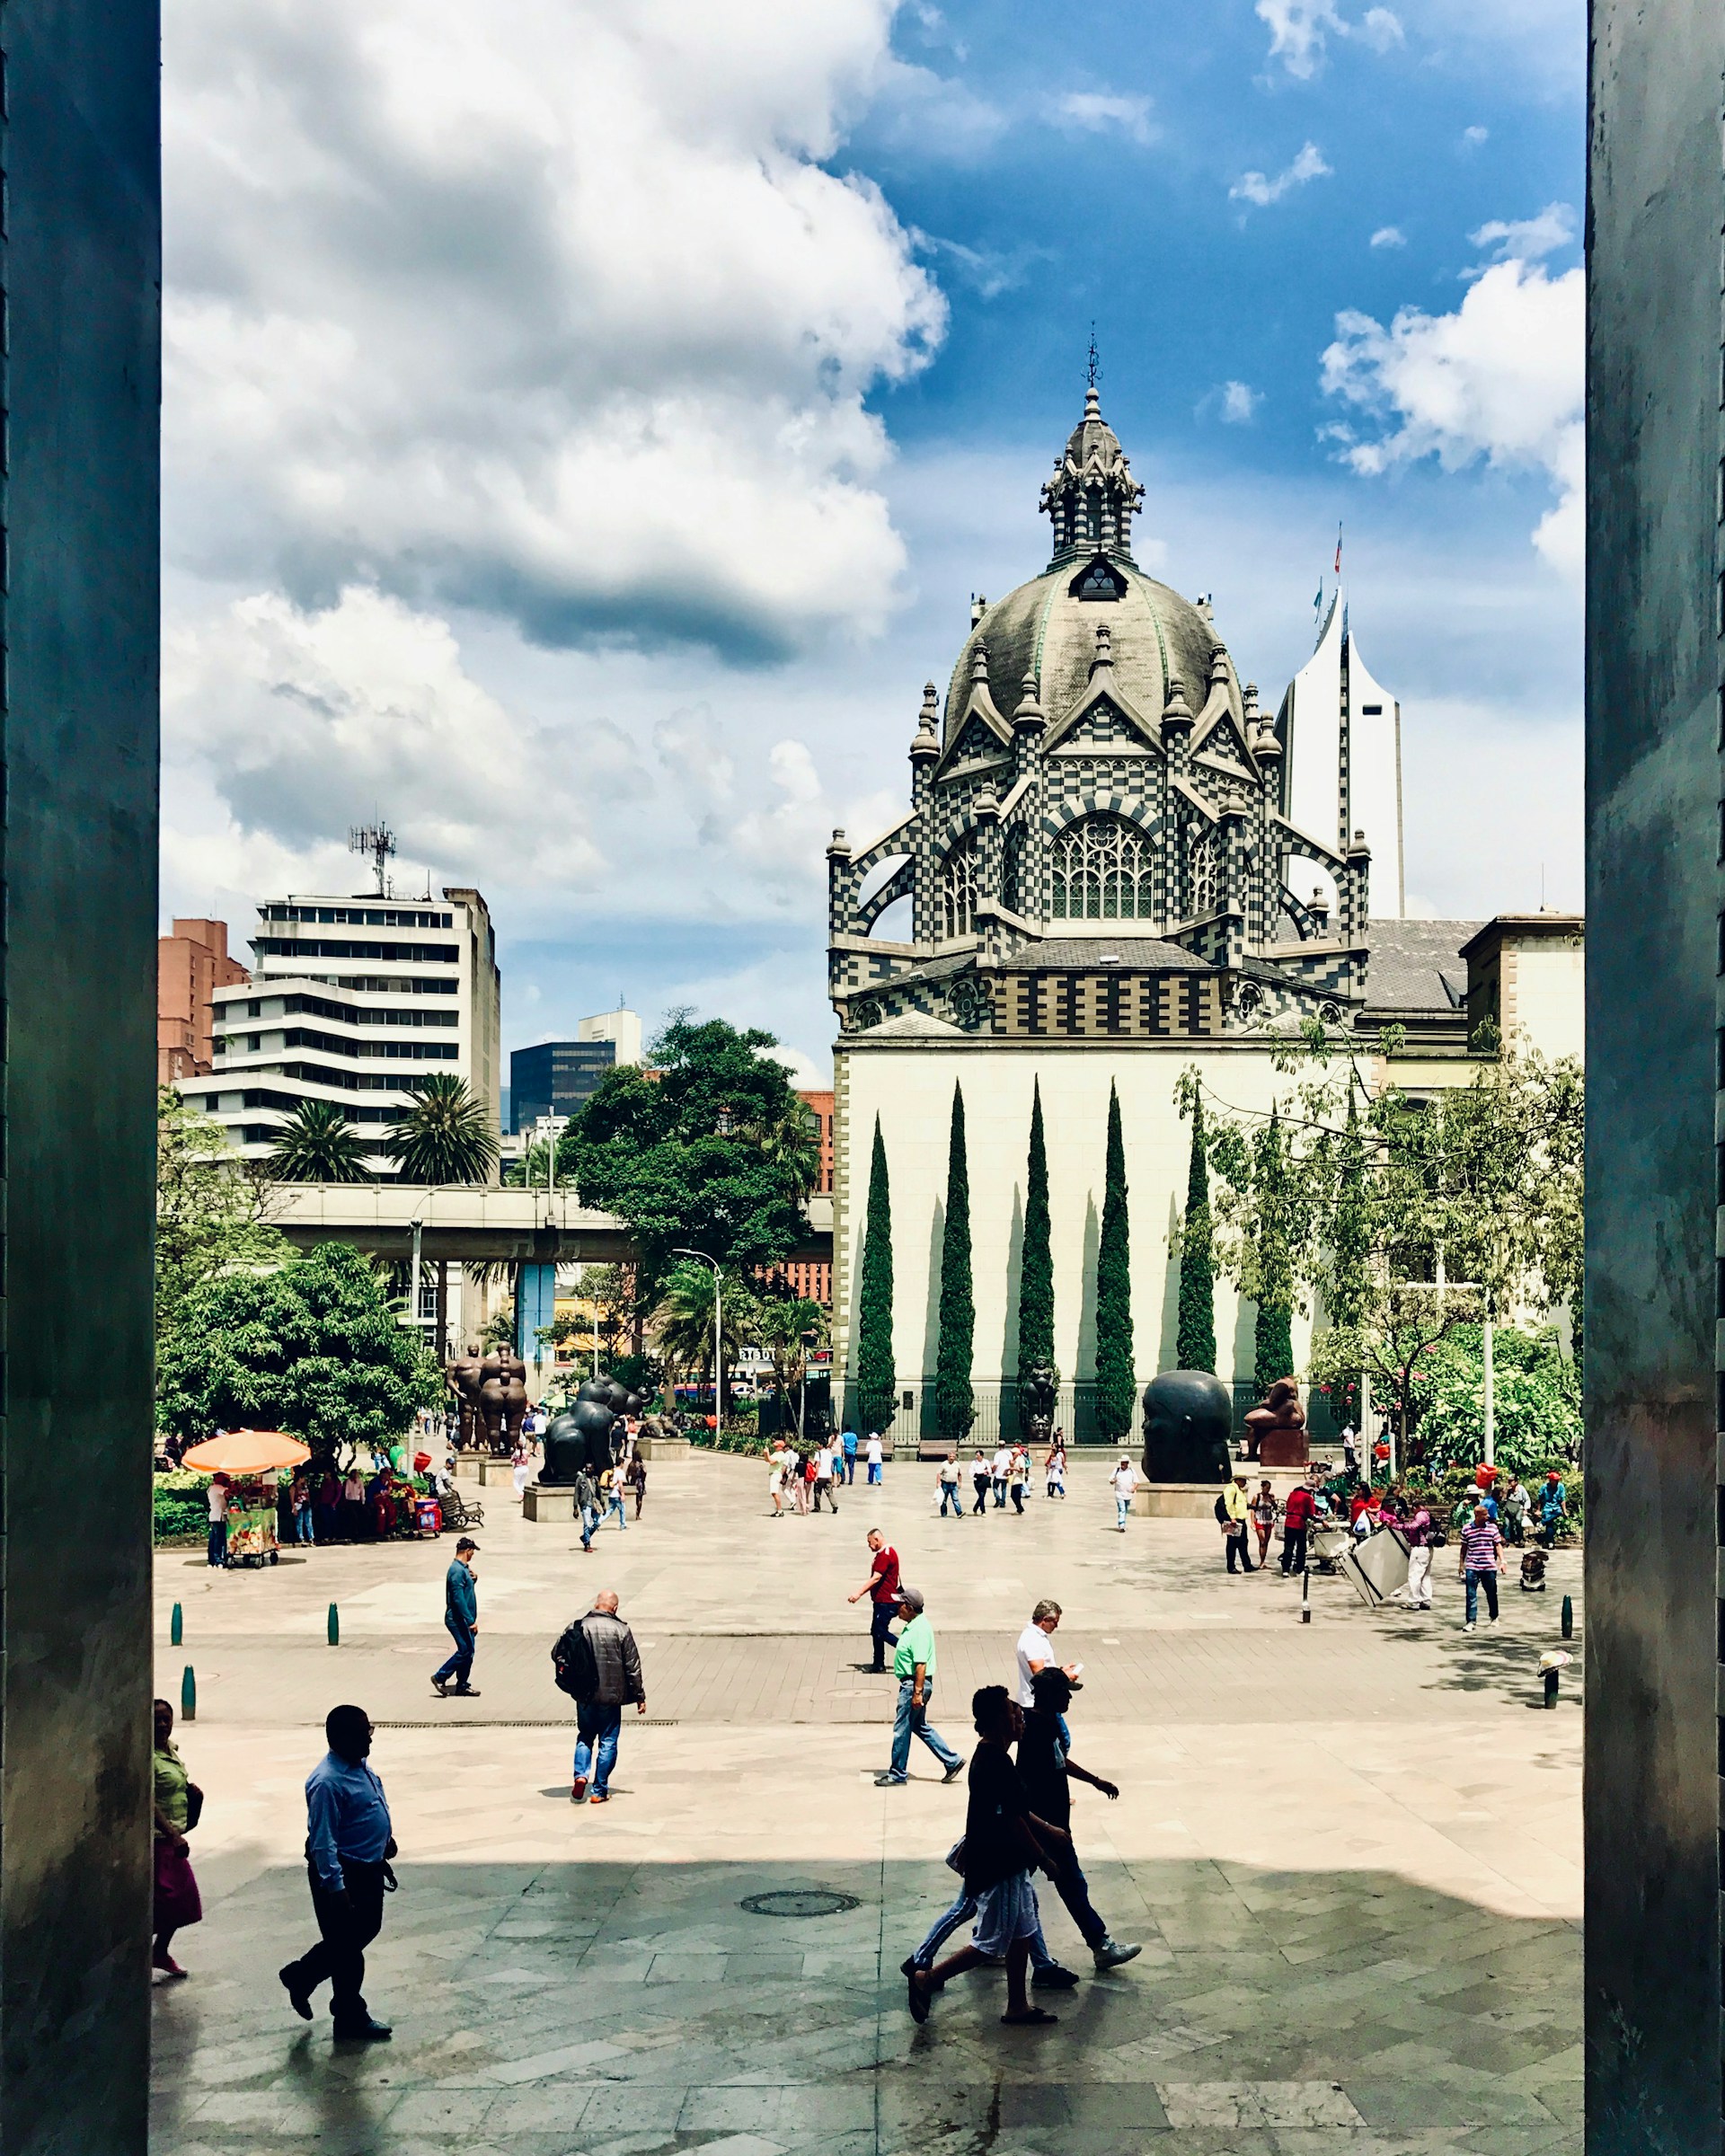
1093	368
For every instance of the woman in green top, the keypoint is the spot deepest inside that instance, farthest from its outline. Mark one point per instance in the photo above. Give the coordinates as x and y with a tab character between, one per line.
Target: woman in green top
177	1899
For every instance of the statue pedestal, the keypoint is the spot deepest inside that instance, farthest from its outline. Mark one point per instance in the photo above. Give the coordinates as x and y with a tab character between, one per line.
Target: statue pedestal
495	1473
1284	1448
1178	1500
663	1448
552	1504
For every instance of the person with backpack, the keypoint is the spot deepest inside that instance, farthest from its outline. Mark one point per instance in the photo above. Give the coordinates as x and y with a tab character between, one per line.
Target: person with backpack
1232	1516
598	1664
1297	1516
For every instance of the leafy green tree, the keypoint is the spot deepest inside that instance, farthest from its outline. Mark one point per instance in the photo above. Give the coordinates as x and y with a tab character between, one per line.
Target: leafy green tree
1116	1381
1195	1327
209	1209
789	1328
698	1152
317	1144
314	1348
955	1405
877	1381
1535	1400
1035	1265
1273	1334
446	1135
1407	1323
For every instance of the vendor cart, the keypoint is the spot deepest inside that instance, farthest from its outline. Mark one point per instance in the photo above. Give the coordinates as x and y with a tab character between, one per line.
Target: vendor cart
252	1520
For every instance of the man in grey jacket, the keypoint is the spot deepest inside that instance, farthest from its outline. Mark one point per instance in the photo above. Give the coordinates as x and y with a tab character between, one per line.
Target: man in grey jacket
617	1661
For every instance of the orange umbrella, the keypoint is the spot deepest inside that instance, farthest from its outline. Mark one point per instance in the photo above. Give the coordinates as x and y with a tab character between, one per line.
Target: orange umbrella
246	1452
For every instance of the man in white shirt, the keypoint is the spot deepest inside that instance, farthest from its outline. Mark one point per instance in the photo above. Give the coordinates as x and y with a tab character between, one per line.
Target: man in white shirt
824	1476
876	1453
1124	1483
218	1521
949	1480
1035	1652
1002	1462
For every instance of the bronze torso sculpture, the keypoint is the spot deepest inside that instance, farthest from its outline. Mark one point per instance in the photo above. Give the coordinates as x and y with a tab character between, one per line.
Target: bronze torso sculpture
1188	1417
588	1435
464	1375
1275	1427
1039	1388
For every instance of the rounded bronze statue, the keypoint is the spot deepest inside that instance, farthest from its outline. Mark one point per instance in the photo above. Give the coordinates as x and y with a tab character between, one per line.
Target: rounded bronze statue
1275	1427
464	1375
588	1435
1039	1391
1187	1417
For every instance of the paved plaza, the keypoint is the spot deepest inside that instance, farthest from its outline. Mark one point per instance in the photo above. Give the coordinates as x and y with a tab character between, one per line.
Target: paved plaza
1351	1850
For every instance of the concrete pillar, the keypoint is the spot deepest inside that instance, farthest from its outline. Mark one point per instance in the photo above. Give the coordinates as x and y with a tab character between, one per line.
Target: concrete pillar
1655	1746
82	264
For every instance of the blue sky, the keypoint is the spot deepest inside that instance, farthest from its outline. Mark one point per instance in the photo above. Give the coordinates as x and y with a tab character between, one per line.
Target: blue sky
751	470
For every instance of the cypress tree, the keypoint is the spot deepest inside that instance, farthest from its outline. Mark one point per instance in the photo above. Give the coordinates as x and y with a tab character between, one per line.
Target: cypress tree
1195	1333
1036	1266
877	1383
955	1408
1273	1335
1115	1382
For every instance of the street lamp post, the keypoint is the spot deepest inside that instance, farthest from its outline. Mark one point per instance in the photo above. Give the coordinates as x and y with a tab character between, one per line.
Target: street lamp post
718	1342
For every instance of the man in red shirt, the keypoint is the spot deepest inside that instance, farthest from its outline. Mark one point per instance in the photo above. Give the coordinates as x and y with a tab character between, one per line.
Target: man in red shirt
1301	1511
881	1588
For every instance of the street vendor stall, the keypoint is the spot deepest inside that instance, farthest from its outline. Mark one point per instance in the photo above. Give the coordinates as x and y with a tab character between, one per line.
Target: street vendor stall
250	1460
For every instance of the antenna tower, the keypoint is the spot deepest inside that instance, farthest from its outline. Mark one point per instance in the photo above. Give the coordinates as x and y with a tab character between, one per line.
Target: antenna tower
379	841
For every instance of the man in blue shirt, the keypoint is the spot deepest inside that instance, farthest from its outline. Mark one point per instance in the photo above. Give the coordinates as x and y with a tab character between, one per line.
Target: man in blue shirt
848	1440
461	1615
348	1848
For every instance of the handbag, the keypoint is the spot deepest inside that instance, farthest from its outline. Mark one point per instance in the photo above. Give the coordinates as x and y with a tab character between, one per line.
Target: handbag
194	1805
955	1857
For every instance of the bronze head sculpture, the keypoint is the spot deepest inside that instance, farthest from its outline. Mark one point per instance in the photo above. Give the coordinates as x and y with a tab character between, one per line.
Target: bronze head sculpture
1187	1418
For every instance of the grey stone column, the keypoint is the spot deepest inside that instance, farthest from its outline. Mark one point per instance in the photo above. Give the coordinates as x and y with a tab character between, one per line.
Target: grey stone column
1654	1044
81	268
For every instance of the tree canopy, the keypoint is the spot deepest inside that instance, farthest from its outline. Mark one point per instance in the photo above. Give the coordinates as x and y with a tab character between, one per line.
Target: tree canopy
955	1404
1116	1385
877	1381
210	1208
317	1144
314	1348
711	1148
446	1135
1036	1266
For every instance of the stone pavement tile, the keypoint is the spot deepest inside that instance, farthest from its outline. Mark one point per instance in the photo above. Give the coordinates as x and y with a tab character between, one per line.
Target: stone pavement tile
1188	2103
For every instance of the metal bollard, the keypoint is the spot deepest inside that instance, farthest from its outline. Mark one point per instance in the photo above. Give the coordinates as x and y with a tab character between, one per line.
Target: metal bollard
1305	1595
335	1626
1568	1625
189	1696
176	1628
1550	1687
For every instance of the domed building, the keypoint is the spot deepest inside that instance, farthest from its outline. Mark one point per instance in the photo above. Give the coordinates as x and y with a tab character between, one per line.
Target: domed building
1116	864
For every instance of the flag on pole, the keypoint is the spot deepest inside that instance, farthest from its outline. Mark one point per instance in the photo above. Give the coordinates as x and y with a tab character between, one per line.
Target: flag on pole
1338	550
1317	604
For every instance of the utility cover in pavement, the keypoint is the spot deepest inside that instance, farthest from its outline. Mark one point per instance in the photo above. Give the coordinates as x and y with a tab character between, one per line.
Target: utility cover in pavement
799	1901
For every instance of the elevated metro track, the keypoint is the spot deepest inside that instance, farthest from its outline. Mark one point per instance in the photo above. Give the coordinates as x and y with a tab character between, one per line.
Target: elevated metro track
475	1224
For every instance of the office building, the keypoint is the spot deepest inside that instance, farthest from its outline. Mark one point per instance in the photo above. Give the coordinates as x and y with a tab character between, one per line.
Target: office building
354	1001
190	966
559	1077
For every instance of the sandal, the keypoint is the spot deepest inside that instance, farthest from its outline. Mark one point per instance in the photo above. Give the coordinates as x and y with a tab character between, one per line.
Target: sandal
1035	2017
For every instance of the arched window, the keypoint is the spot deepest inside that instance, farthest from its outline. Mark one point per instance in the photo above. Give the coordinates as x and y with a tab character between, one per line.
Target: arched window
1200	871
1012	894
959	889
1102	872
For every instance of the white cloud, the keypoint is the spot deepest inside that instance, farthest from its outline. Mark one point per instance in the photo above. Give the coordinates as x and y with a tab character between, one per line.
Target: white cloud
1257	187
1389	236
1500	379
1471	137
1527	239
1097	112
1300	32
549	309
1240	402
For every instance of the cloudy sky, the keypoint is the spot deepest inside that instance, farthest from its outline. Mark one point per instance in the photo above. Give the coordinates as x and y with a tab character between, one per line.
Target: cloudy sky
586	427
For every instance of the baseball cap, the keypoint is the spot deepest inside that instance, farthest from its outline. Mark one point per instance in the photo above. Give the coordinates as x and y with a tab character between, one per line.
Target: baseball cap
912	1599
466	1542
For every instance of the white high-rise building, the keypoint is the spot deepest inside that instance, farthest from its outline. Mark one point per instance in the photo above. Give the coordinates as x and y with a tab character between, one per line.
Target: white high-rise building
620	1027
1341	741
353	1000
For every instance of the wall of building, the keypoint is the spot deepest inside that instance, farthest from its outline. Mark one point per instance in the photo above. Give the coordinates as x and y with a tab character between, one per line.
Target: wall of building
79	624
1544	1001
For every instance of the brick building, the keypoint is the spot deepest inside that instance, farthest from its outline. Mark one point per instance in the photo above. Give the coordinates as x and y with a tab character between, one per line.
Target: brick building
191	965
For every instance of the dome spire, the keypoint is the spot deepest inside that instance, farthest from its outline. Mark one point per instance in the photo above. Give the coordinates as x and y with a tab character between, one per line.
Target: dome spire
1092	497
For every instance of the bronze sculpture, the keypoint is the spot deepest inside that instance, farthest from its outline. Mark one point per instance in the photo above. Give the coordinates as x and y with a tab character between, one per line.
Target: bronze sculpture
1275	1427
464	1376
502	1398
1039	1391
1187	1418
588	1435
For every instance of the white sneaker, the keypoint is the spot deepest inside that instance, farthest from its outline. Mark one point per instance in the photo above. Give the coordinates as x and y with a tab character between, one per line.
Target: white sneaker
1467	1628
1111	1954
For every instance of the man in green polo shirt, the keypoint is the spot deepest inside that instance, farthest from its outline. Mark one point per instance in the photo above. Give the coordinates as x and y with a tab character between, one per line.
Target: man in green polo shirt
913	1663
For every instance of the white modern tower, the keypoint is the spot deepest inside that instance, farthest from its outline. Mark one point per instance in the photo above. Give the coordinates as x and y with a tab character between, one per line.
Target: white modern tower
1341	735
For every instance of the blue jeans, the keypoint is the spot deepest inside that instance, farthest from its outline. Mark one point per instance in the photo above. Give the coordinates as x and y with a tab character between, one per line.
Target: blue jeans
850	1467
589	1521
218	1541
303	1525
874	1470
595	1742
950	1495
902	1733
1122	1506
616	1506
460	1665
1475	1581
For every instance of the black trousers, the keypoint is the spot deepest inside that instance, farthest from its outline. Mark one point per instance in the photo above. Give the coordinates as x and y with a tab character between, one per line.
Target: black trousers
980	1485
1294	1550
881	1617
1238	1543
340	1953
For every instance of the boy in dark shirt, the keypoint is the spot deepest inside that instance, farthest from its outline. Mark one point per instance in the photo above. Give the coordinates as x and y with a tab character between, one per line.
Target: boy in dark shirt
1002	1842
1043	1768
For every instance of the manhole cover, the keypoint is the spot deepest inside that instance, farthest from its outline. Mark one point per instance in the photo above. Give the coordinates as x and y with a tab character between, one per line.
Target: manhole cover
799	1901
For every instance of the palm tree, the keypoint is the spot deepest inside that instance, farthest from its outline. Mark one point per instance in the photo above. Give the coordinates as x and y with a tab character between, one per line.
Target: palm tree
316	1145
788	1329
792	1144
445	1136
682	1323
